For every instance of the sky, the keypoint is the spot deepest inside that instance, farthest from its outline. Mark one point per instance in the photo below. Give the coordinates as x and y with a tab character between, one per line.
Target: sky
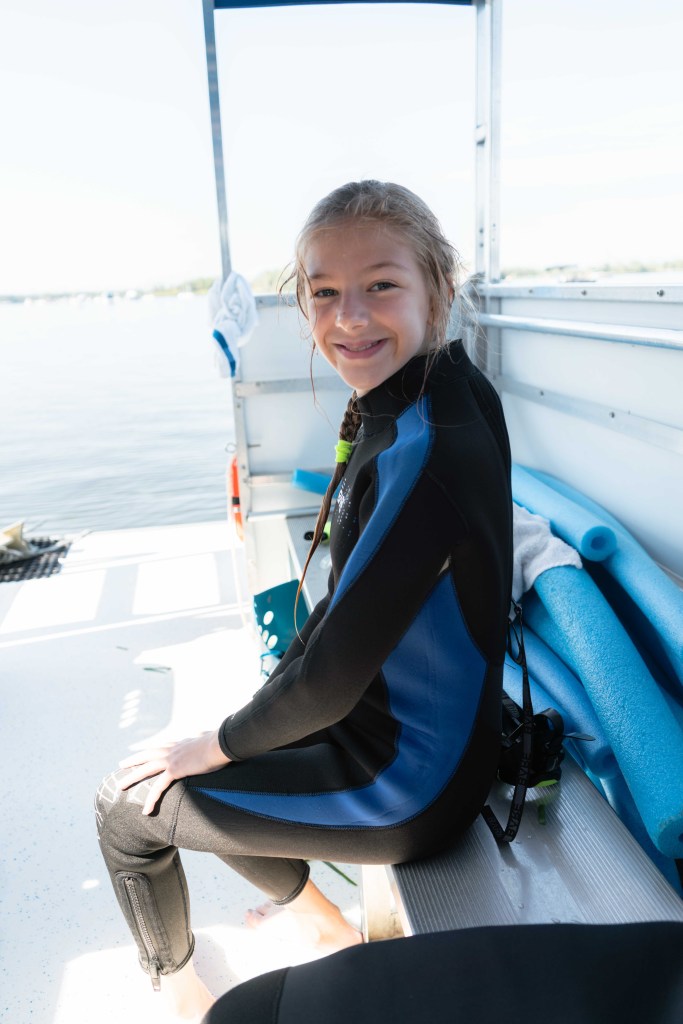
106	166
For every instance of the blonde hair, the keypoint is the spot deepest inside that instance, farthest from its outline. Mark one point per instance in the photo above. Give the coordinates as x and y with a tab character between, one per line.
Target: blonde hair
396	207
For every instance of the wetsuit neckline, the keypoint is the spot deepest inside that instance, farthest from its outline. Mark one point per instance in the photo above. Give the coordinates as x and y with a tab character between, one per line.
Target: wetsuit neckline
379	407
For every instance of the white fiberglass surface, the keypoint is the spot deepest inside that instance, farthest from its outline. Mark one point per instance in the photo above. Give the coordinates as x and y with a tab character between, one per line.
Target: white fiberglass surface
79	696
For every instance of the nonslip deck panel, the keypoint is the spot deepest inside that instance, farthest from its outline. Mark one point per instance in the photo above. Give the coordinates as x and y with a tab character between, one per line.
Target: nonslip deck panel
581	866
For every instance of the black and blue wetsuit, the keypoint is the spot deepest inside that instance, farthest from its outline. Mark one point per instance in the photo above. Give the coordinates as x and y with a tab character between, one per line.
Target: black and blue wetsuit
376	738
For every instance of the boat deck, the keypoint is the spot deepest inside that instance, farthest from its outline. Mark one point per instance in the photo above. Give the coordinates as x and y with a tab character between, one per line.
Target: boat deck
143	635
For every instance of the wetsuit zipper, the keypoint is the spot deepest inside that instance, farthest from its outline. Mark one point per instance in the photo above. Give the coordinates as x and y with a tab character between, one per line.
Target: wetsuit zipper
152	957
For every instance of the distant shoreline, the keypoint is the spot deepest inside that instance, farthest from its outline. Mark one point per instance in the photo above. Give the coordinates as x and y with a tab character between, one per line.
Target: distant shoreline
268	282
198	287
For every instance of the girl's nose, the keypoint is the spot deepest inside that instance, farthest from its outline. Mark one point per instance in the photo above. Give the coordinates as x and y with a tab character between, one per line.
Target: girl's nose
351	314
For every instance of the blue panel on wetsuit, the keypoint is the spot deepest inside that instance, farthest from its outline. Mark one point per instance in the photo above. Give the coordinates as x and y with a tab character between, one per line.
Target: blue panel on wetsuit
398	470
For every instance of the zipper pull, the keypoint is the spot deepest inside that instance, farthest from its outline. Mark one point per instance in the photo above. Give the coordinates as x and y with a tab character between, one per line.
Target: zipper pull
154	975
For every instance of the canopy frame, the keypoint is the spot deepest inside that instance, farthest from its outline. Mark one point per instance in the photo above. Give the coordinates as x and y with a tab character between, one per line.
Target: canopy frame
486	133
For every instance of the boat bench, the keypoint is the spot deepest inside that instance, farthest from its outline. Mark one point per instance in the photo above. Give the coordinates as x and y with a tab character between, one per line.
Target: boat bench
573	860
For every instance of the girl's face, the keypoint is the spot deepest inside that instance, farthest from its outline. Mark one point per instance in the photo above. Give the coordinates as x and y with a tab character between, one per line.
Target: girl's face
367	301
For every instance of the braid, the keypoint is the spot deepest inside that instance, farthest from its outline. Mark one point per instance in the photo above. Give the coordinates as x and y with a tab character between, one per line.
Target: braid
348	430
350	423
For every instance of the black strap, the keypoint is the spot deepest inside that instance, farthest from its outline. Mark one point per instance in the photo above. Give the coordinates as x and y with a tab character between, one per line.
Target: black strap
518	655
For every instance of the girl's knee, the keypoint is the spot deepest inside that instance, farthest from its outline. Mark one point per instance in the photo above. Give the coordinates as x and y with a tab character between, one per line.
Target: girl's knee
120	821
109	795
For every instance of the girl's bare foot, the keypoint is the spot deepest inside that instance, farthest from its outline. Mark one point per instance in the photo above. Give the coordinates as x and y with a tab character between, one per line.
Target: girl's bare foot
318	921
186	995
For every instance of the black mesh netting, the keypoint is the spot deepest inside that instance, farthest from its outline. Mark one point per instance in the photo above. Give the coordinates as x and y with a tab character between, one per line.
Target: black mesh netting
43	563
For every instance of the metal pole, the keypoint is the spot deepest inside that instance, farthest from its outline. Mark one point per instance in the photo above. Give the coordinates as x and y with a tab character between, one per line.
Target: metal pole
487	172
216	134
621	334
487	138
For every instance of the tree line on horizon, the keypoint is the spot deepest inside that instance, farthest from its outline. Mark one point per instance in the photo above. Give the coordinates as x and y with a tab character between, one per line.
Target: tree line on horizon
268	282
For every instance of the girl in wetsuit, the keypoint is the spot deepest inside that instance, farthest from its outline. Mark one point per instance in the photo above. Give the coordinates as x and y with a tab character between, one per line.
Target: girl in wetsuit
376	738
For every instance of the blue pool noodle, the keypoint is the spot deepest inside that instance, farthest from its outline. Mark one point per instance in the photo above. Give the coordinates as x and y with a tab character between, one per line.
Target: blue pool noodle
569	697
620	800
566	693
615	791
574	524
570	614
655	653
600	513
309	480
553	685
675	708
660	600
612	788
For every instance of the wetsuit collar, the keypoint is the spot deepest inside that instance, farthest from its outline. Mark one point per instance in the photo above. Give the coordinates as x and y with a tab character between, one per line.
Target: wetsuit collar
381	405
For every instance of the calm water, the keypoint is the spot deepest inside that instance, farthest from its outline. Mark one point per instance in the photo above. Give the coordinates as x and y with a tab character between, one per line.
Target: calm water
111	415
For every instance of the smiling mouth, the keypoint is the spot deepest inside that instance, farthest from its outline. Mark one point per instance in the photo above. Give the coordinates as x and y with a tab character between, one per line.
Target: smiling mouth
362	348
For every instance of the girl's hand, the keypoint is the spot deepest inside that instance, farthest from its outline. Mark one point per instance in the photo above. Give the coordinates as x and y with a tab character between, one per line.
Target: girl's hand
195	756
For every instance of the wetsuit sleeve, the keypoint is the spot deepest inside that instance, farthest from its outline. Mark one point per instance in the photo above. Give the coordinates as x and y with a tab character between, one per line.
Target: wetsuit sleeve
385	582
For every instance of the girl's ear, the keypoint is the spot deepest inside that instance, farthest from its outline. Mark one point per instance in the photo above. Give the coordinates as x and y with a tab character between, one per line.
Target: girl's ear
451	298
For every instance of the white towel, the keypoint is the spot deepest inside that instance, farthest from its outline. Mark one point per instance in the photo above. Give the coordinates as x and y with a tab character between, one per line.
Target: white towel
535	550
233	314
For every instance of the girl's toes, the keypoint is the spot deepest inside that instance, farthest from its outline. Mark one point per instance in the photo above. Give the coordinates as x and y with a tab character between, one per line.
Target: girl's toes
253	918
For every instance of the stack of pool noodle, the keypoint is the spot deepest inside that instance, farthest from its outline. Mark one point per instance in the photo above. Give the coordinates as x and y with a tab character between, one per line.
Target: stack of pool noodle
604	646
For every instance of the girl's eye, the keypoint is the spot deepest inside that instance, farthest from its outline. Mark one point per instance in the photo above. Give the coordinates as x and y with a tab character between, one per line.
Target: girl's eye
382	286
324	293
